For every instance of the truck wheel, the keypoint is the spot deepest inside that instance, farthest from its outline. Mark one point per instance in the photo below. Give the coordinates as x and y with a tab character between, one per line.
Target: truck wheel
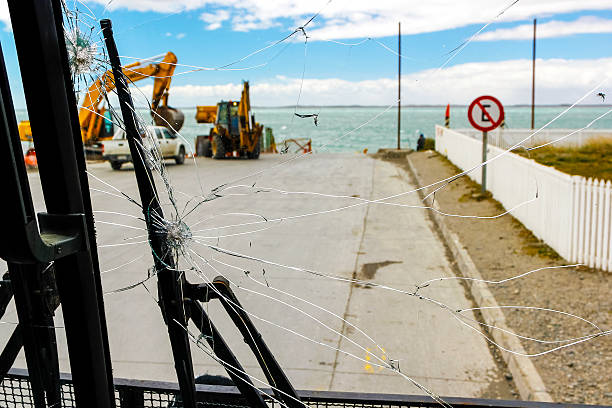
180	159
218	148
255	153
115	165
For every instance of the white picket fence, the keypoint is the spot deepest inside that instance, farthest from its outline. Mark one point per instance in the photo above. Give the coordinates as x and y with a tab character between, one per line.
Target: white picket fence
506	138
570	213
591	223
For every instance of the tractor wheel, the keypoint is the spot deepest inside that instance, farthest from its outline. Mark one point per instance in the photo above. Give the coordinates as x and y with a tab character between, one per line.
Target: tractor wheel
203	146
218	148
180	158
206	148
255	153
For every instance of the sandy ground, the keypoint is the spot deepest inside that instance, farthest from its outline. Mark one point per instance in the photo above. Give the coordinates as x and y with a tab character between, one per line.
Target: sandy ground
503	248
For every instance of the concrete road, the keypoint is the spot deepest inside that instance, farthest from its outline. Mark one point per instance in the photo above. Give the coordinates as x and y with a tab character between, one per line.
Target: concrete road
311	323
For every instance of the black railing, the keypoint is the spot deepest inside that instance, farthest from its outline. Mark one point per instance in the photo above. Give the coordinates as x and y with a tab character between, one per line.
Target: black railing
15	392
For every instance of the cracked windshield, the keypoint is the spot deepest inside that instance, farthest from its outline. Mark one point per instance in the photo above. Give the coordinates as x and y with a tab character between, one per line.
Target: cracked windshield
387	198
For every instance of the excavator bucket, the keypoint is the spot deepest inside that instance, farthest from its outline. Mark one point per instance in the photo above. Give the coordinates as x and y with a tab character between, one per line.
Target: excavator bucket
206	114
169	117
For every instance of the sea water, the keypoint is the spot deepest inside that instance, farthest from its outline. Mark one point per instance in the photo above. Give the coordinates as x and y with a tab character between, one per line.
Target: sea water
350	129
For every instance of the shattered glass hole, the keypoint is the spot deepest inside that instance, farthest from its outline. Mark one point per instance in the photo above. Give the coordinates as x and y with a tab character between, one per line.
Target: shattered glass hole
81	52
177	234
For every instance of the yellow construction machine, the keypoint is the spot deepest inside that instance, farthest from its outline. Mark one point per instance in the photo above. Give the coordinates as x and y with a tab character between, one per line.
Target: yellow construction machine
96	124
235	132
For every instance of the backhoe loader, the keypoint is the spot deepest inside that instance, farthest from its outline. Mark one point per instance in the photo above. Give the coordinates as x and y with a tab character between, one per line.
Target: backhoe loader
96	123
235	132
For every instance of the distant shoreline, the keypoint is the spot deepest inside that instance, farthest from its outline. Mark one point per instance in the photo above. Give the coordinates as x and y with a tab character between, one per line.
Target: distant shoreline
415	106
428	106
385	106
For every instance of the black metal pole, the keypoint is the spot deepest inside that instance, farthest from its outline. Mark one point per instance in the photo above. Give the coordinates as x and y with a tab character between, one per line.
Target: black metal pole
399	82
533	62
169	282
43	63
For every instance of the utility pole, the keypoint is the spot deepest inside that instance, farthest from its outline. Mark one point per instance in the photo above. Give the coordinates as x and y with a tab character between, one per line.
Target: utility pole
533	75
399	82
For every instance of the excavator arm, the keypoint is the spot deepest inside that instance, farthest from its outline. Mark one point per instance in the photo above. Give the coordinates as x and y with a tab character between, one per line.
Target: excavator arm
244	108
91	113
250	131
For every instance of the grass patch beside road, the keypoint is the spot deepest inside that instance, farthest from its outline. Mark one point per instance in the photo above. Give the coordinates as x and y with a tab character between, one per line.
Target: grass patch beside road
594	159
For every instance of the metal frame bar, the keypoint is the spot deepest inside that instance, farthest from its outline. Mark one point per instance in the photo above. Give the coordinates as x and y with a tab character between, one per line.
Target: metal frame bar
231	395
41	50
28	283
220	289
36	330
169	281
231	364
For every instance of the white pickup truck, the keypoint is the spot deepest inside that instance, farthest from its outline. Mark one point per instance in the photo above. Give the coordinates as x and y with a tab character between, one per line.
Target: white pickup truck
117	150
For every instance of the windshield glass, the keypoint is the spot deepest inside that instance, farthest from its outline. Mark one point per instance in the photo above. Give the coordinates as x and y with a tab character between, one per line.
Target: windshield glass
222	114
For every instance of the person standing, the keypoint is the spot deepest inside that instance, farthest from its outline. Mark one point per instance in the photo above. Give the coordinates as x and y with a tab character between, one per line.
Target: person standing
421	143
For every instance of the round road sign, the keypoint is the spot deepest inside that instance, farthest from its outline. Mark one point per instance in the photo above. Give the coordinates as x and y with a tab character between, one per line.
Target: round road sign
486	113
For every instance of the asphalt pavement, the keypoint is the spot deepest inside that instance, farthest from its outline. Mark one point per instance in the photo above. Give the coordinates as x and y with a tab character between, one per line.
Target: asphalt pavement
302	229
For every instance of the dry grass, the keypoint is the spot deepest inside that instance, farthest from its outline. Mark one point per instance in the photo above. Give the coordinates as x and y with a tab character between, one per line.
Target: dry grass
591	160
430	144
531	244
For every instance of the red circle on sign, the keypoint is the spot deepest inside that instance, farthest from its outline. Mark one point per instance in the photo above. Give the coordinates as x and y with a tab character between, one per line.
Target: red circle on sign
478	104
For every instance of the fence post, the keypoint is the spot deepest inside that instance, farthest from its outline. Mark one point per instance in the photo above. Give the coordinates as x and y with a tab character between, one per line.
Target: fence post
607	252
587	220
574	208
581	215
600	223
593	222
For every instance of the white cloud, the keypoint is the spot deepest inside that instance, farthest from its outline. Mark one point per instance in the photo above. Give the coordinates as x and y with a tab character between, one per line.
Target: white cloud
557	81
4	15
248	22
178	36
364	18
215	20
356	18
550	29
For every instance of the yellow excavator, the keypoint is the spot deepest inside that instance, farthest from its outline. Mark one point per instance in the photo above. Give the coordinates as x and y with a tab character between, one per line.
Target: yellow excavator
93	114
235	132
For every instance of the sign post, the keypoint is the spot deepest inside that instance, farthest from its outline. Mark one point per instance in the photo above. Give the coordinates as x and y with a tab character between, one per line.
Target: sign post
485	142
485	114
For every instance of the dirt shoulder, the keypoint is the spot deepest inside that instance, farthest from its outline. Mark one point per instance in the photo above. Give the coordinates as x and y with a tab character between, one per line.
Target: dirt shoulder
503	248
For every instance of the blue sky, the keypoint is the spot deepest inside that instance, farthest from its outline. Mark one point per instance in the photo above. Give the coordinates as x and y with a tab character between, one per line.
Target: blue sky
573	49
